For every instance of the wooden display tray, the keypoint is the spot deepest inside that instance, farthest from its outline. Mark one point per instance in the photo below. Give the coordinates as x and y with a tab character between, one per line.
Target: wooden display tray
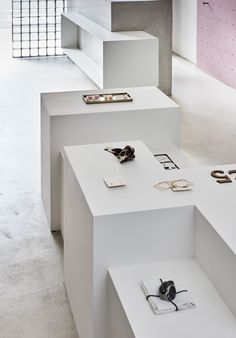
107	98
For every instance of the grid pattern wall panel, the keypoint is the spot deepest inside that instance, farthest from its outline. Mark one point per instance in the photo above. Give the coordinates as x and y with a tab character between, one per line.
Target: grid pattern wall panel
36	27
216	42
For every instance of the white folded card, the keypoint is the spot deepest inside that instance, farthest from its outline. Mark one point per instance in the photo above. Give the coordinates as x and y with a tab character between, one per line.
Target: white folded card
116	181
182	300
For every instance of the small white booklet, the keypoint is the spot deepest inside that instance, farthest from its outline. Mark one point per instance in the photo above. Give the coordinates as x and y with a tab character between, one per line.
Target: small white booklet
116	181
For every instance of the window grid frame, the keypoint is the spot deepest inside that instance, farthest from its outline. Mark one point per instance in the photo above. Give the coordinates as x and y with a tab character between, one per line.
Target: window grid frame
36	27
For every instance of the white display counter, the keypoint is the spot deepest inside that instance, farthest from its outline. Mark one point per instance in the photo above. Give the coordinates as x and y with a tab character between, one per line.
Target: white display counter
67	120
138	224
110	59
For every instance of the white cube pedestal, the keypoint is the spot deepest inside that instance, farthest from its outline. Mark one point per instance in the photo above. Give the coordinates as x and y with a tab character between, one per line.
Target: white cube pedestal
67	120
138	224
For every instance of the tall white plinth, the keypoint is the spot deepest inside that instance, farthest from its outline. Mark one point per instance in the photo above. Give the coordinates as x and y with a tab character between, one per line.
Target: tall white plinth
106	228
67	120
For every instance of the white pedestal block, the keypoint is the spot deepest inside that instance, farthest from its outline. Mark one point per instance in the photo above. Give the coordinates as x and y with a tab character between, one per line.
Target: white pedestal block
106	227
67	120
110	59
138	224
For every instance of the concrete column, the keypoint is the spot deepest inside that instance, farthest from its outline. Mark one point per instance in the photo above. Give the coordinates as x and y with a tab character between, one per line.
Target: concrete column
154	17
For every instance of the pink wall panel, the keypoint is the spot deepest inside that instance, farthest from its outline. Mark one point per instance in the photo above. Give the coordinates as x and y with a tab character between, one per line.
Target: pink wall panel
216	39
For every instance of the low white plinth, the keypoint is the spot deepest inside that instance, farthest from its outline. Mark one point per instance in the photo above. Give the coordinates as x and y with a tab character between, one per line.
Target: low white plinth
67	120
138	224
132	317
111	59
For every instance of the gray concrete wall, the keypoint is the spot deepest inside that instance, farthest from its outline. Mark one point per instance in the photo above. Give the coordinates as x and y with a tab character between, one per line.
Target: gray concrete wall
154	17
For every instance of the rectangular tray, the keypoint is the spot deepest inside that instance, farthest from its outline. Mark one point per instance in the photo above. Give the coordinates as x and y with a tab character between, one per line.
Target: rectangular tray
107	98
165	159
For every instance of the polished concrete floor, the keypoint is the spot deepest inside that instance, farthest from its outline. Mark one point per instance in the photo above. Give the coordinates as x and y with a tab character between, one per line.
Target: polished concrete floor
33	302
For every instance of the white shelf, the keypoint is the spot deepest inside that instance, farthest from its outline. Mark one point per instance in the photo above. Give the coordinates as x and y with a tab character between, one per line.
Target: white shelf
211	318
91	68
103	34
111	59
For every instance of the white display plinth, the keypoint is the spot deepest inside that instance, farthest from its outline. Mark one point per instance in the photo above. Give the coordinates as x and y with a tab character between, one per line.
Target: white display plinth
132	317
67	120
110	59
138	224
104	227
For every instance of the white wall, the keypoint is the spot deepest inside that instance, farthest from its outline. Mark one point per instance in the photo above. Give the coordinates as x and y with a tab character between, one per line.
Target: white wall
97	10
5	13
185	29
5	5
